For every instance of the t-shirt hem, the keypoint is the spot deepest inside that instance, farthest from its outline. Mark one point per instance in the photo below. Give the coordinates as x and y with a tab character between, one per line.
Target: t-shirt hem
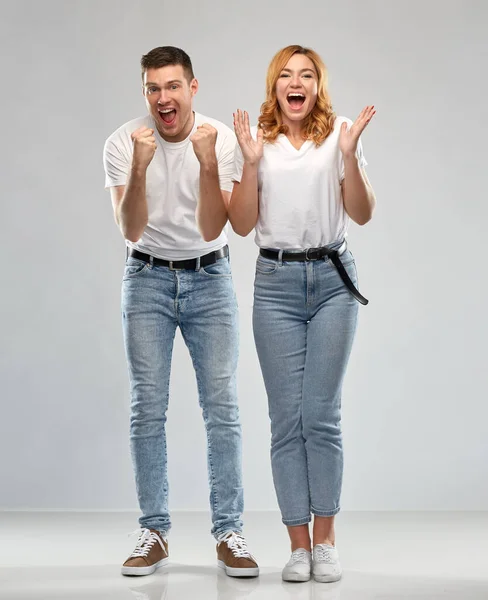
109	184
186	254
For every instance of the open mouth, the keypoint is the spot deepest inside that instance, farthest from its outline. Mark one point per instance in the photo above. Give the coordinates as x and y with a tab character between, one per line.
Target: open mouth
295	100
167	115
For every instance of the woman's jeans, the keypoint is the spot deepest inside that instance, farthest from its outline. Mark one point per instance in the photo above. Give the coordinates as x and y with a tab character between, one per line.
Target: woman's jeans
304	324
202	303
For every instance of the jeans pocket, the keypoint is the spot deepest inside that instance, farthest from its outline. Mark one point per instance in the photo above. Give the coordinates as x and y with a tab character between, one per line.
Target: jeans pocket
266	266
349	265
134	267
347	258
221	268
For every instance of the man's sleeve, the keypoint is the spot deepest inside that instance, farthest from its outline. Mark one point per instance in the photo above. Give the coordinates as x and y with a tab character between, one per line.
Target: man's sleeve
226	161
116	164
238	164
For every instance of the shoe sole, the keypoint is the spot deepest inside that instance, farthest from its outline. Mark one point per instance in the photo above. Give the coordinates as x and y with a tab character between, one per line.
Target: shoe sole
238	572
296	577
327	578
140	571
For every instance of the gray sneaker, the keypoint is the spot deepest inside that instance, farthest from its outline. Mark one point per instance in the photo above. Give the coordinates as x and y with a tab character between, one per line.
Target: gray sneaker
326	565
299	567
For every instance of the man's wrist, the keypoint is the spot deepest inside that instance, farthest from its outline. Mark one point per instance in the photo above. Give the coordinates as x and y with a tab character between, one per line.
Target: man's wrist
138	170
209	164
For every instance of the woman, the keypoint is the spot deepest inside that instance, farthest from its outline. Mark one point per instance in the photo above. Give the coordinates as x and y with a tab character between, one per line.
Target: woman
299	179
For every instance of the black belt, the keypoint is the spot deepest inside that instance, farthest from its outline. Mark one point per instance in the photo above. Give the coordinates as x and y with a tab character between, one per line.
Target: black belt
317	254
178	265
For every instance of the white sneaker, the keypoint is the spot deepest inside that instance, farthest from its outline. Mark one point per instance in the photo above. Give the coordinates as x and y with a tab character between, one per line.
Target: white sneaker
326	565
299	567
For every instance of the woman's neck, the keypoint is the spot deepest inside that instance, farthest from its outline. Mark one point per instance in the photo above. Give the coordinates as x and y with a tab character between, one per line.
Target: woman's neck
295	130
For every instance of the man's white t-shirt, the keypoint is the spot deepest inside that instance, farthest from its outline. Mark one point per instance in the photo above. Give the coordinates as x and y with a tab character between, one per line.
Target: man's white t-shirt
300	198
172	187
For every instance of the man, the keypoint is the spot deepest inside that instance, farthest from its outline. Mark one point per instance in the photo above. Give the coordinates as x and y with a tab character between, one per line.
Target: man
169	175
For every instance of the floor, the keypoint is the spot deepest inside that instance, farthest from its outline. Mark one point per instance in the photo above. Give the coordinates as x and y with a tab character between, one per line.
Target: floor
51	555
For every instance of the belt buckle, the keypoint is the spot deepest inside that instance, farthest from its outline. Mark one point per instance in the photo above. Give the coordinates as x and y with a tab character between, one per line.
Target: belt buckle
172	268
307	257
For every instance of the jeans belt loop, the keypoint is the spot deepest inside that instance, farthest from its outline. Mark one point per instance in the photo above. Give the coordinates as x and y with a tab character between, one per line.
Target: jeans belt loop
151	261
280	258
197	265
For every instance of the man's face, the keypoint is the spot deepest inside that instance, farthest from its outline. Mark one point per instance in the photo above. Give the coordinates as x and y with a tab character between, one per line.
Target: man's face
169	95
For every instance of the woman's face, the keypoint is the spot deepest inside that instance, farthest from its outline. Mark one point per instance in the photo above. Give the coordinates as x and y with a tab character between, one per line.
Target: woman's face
296	88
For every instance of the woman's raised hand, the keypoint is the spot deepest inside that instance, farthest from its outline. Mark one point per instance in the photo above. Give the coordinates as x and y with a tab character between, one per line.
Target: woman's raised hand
252	149
348	138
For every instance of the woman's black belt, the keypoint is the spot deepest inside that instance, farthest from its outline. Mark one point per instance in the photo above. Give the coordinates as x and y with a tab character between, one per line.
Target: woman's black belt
318	254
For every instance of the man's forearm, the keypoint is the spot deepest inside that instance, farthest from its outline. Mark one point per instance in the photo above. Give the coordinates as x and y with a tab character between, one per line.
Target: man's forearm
211	210
358	196
132	214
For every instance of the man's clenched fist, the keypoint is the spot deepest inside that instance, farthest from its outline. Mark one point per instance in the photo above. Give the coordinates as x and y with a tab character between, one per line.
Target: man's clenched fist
203	141
144	146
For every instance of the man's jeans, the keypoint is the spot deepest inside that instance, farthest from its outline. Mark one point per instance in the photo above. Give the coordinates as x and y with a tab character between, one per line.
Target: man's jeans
155	301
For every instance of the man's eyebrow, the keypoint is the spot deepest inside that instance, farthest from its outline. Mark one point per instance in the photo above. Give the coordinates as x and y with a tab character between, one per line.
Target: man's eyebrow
148	83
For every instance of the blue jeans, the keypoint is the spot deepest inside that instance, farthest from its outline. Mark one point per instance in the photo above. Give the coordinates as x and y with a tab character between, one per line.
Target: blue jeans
155	301
304	324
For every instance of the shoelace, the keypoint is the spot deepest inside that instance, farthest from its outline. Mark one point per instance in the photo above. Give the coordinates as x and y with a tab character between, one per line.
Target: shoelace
236	543
146	541
300	556
322	553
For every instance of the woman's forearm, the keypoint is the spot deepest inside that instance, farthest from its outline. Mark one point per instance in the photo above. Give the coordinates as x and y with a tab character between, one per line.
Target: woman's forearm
358	195
243	206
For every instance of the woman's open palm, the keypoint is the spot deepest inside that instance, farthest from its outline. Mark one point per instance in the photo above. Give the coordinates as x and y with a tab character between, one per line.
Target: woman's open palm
348	138
252	149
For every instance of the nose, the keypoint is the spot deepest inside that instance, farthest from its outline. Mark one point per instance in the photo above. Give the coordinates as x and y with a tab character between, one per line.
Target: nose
163	97
295	81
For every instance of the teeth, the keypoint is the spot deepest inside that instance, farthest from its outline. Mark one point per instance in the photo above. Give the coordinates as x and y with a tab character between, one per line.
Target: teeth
296	96
168	110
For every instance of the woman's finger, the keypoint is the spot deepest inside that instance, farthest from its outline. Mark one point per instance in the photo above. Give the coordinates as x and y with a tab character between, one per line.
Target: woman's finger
237	124
247	125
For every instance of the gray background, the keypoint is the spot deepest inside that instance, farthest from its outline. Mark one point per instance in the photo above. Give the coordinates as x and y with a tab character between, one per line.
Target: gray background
415	406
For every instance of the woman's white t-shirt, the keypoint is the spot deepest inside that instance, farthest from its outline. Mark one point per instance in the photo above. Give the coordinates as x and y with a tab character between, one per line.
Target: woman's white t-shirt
300	198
